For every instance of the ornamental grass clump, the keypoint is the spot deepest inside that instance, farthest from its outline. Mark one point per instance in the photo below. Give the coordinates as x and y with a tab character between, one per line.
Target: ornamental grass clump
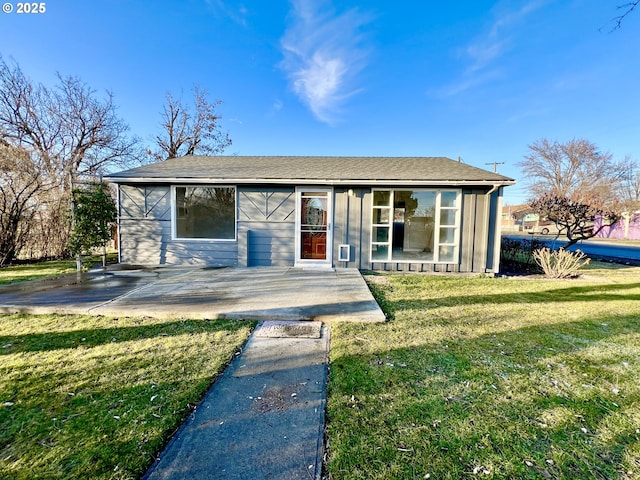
560	263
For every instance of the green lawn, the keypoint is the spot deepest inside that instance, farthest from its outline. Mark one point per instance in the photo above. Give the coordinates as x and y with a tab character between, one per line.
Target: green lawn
36	271
472	378
50	269
490	378
96	397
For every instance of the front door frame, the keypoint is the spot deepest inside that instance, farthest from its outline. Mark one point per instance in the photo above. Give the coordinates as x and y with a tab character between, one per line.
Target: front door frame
306	262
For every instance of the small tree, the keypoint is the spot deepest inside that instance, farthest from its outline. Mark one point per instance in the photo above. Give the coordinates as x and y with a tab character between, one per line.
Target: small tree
573	218
94	212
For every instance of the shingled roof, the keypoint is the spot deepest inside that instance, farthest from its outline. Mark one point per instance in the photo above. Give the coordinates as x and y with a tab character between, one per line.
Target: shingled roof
311	171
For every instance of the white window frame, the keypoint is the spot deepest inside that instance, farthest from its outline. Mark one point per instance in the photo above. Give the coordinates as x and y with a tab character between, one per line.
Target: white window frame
174	214
436	227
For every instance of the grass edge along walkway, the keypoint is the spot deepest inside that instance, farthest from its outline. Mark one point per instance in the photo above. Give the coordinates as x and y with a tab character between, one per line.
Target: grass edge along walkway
12	274
98	397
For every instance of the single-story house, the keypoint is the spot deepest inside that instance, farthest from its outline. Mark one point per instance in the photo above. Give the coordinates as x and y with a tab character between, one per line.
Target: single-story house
378	213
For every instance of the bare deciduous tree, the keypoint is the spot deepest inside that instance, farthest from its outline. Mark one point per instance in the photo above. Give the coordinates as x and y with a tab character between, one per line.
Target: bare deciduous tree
626	9
68	130
576	169
630	185
69	127
20	184
190	130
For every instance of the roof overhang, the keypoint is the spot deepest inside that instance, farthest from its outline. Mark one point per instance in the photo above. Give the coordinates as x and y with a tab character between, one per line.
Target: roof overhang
305	181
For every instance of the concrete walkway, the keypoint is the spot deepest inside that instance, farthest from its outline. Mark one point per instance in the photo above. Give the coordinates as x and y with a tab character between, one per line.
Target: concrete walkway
262	419
259	293
264	416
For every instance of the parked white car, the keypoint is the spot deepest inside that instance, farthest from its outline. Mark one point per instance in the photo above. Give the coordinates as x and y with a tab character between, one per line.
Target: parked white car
549	228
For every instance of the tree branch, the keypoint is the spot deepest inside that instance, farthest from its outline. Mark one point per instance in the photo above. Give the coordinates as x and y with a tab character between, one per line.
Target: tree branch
630	6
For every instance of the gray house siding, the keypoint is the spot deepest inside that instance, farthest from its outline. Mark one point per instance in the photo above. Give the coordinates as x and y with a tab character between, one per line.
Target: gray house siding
495	226
266	218
475	231
144	224
266	230
352	218
266	226
145	235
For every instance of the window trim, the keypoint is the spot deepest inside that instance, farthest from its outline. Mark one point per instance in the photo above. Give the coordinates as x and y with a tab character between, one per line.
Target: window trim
174	214
436	227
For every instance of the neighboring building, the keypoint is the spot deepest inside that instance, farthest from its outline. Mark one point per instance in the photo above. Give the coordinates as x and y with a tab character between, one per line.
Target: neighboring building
418	214
627	228
513	217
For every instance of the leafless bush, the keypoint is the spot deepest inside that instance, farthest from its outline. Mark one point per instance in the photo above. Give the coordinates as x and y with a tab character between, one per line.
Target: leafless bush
560	263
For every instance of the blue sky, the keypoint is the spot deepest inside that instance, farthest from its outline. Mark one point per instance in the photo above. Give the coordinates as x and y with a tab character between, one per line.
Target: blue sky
476	79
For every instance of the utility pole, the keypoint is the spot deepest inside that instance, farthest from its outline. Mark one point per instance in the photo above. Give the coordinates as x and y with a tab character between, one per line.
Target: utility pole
495	165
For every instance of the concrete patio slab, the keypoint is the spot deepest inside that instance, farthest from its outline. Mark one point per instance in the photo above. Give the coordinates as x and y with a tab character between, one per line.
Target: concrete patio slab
241	293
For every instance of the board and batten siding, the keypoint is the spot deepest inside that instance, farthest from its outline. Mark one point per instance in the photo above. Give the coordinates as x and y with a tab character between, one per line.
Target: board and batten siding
352	218
145	232
475	254
266	226
266	230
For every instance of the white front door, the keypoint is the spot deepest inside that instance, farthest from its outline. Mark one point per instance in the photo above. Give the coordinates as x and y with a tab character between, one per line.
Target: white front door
314	217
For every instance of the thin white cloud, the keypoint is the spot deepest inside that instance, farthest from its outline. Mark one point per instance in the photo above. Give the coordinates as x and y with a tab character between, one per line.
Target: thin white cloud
526	115
467	82
275	108
484	52
497	40
323	53
237	13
